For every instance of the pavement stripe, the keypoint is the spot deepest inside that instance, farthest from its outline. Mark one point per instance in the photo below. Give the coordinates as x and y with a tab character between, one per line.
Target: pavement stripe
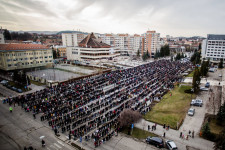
57	145
61	143
52	146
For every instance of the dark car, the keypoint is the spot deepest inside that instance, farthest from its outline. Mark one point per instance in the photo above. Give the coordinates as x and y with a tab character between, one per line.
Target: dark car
14	88
207	84
158	142
19	90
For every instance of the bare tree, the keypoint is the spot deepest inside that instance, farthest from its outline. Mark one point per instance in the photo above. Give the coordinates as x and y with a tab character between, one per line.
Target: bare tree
128	116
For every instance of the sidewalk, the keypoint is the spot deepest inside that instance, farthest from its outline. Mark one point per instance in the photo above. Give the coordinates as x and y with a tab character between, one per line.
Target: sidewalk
174	135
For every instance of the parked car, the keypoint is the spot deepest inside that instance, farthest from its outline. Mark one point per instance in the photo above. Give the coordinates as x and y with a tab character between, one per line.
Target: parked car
197	102
19	90
4	82
8	86
191	112
212	70
207	84
171	145
14	88
204	89
158	142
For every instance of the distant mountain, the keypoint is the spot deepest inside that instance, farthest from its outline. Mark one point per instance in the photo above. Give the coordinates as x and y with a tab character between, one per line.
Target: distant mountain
68	31
50	32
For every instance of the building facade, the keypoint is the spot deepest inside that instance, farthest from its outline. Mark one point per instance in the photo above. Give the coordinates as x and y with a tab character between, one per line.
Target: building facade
91	48
151	42
126	43
72	39
21	56
2	39
213	47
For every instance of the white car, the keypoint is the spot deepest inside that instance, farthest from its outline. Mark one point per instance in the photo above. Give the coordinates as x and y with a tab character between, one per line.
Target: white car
171	145
191	112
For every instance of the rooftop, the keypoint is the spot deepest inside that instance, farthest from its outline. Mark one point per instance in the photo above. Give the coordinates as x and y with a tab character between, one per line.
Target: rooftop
216	37
90	41
22	46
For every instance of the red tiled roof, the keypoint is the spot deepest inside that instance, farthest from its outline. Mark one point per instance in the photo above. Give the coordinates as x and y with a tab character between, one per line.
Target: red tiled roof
22	46
91	41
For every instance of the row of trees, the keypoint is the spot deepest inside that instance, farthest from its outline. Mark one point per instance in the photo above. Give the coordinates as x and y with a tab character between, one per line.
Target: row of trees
180	56
17	36
219	139
196	58
55	53
146	56
20	78
196	80
221	64
164	51
204	68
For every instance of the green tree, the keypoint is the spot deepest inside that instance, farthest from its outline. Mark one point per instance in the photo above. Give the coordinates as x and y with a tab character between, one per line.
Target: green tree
199	46
23	79
220	142
138	53
16	76
54	53
58	54
221	115
196	80
206	130
178	57
7	35
221	64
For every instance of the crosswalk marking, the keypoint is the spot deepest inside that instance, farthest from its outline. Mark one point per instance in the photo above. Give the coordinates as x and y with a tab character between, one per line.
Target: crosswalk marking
60	143
52	146
57	145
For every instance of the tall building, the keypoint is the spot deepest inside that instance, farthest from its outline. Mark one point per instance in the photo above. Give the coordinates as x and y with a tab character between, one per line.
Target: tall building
21	56
151	42
213	47
127	43
91	48
2	40
72	39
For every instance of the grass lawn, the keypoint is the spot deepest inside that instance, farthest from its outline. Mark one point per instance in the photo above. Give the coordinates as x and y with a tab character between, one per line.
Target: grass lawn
215	128
171	109
37	83
191	74
138	133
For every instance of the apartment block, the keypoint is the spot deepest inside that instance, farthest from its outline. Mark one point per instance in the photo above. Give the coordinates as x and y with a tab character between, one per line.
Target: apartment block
21	56
213	47
2	41
151	42
72	39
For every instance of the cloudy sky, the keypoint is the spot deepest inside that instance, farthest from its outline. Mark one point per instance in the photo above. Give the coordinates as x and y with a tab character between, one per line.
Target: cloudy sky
168	17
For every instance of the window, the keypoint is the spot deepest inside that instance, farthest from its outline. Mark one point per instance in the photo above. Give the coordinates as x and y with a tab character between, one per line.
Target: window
8	60
46	56
25	58
46	61
31	58
9	65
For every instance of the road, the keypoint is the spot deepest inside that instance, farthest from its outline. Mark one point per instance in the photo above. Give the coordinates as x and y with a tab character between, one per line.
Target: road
19	129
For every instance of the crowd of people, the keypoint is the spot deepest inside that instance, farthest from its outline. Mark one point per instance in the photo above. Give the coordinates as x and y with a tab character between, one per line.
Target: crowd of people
81	106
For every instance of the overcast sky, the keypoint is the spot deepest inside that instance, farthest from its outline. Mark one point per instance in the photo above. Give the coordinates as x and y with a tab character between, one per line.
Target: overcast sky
168	17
